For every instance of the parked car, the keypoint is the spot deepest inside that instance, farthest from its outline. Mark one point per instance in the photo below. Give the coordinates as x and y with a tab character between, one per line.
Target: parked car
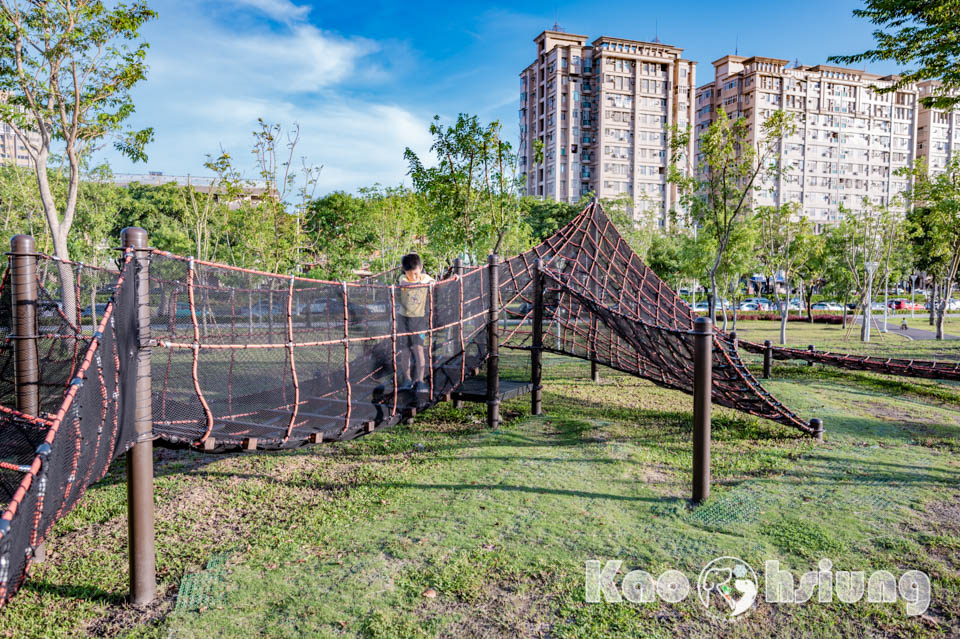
49	309
905	305
321	306
748	306
261	309
762	303
826	306
99	309
952	305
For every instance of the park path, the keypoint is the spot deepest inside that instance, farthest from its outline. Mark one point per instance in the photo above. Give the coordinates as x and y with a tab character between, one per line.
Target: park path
893	328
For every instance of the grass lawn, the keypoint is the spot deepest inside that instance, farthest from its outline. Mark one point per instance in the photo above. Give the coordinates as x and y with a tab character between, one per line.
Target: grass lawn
350	539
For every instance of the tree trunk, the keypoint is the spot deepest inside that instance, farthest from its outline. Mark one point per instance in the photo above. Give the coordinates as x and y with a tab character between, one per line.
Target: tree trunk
723	310
712	297
843	324
784	314
809	299
933	300
68	282
942	309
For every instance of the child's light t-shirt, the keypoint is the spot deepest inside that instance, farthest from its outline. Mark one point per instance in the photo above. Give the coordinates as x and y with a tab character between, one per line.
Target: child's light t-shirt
412	296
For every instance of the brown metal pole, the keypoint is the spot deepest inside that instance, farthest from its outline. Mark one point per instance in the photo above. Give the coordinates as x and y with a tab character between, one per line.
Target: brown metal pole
23	289
702	395
458	270
493	344
143	581
592	350
26	367
811	350
767	358
536	351
817	425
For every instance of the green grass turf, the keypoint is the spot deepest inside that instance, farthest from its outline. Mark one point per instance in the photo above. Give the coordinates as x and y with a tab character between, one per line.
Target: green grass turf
343	540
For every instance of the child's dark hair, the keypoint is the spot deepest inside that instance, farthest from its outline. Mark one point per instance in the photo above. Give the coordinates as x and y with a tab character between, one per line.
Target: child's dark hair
410	261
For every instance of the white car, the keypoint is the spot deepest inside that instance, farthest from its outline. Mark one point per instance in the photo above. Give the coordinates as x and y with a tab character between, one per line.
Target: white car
826	306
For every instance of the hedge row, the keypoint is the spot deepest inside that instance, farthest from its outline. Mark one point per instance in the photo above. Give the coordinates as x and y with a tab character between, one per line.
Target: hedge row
818	318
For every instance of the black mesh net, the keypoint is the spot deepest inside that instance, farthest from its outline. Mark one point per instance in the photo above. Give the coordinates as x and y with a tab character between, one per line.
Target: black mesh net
254	356
86	372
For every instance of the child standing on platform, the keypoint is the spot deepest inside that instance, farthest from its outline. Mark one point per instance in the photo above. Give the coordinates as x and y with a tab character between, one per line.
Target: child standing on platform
412	325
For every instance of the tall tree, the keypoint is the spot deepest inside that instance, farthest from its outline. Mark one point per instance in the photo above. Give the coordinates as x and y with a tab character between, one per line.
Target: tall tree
783	248
734	162
935	230
860	240
915	33
472	190
67	68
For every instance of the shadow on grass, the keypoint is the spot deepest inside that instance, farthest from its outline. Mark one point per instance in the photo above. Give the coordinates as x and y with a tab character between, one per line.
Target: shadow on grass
92	594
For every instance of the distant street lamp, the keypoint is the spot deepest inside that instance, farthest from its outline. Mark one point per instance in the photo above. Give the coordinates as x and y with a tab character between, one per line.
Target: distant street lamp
868	311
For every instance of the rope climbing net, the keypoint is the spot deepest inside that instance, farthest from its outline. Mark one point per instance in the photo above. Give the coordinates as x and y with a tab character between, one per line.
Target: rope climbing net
48	459
243	358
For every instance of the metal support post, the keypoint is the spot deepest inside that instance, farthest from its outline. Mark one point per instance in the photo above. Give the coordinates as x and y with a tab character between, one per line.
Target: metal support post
458	270
817	425
493	344
26	366
536	352
702	395
767	358
143	583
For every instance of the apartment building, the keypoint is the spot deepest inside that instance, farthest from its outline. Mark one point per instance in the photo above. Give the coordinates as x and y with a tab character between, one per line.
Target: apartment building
12	150
601	111
938	133
849	139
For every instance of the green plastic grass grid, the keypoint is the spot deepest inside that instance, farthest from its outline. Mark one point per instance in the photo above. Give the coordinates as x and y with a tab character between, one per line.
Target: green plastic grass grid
203	589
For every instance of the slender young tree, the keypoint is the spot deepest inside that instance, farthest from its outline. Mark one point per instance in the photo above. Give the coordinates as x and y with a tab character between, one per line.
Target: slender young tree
734	164
66	69
783	248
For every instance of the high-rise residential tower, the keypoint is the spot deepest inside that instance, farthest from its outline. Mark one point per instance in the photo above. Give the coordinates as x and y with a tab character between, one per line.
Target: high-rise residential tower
601	112
938	131
849	139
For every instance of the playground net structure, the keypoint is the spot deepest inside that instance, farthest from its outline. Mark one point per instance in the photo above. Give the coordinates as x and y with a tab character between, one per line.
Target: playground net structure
246	359
84	420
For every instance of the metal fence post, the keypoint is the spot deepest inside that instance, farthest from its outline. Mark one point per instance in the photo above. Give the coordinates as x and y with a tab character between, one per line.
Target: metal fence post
817	425
23	298
493	344
702	395
592	350
458	270
767	358
143	583
812	351
536	351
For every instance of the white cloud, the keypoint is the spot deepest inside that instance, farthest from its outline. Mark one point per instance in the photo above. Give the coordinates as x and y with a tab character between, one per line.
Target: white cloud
305	59
277	9
207	86
358	143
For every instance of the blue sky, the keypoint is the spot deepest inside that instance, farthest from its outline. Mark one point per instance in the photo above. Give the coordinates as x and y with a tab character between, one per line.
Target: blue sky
364	79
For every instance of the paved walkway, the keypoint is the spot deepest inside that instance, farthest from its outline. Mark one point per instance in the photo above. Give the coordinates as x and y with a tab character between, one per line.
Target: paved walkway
893	328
